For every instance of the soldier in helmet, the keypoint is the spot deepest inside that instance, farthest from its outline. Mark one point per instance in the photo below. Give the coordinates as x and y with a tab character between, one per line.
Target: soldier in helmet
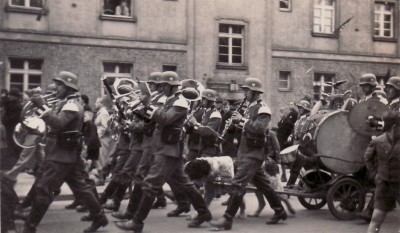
168	160
255	123
208	126
304	108
393	93
368	85
62	162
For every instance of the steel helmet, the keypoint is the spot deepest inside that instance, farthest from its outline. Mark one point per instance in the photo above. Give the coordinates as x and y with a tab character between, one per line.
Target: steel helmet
209	95
154	77
394	82
171	78
68	79
253	84
368	79
304	104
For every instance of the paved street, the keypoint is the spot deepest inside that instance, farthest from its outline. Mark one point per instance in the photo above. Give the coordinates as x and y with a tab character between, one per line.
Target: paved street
60	220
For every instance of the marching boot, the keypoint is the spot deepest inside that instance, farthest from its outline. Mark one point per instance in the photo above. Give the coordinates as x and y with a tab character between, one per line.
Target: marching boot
224	223
179	210
203	214
136	225
134	202
112	206
108	192
99	220
35	216
281	215
122	216
73	205
183	205
291	182
161	202
88	218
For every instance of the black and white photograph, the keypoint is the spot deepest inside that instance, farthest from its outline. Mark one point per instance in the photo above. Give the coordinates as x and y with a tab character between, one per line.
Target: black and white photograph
166	116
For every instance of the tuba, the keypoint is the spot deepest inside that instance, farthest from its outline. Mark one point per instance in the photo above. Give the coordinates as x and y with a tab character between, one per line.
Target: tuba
31	125
191	89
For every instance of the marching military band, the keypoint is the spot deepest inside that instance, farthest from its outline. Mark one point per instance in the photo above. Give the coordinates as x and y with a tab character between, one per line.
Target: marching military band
162	123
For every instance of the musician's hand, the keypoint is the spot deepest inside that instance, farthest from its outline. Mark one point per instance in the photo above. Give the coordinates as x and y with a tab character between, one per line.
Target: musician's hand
236	117
38	101
145	99
290	138
192	121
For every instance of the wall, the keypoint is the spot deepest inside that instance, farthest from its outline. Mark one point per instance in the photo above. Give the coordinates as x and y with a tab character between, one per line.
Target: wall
87	61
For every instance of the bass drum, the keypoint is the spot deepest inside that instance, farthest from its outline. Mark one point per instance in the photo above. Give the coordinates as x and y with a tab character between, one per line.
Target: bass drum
340	148
307	135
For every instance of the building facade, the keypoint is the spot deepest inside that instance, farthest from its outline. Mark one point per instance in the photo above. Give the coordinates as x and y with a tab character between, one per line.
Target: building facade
294	47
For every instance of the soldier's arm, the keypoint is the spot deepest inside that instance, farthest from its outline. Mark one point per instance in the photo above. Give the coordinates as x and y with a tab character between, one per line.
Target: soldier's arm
260	123
178	111
214	124
58	121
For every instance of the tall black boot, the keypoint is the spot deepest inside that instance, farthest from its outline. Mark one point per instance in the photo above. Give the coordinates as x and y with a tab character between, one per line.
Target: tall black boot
108	192
134	202
99	220
136	225
35	216
203	214
183	204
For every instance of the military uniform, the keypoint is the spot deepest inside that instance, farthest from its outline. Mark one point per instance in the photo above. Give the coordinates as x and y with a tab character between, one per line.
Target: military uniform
212	119
168	161
193	140
62	162
374	96
251	155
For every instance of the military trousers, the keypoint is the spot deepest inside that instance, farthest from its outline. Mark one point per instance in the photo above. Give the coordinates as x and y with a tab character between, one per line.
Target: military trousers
250	170
53	175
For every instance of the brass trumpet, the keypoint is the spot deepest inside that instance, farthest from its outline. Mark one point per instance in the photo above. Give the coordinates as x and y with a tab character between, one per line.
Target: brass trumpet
31	124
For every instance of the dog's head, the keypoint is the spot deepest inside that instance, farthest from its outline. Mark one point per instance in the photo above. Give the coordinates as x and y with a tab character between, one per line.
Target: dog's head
197	169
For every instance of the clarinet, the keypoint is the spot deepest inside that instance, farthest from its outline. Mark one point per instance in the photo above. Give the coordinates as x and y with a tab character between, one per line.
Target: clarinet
229	123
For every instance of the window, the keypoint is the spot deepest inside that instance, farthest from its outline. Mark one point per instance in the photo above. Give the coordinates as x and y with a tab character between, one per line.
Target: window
324	16
320	84
24	74
384	19
230	44
285	5
284	80
118	8
169	68
26	3
116	70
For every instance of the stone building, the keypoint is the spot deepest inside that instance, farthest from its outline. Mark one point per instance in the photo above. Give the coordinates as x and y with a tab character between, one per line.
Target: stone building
294	47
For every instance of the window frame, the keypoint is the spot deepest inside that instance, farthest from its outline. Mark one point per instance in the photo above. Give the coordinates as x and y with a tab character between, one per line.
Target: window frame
26	9
289	81
131	18
322	84
289	9
115	74
25	71
169	65
227	65
395	24
334	21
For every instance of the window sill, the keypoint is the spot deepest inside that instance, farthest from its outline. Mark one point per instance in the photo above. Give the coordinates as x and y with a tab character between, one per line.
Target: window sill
384	39
284	89
25	10
324	35
118	18
231	67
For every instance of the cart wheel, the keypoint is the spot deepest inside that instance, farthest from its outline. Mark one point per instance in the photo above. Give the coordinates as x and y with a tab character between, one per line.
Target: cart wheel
345	198
311	203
